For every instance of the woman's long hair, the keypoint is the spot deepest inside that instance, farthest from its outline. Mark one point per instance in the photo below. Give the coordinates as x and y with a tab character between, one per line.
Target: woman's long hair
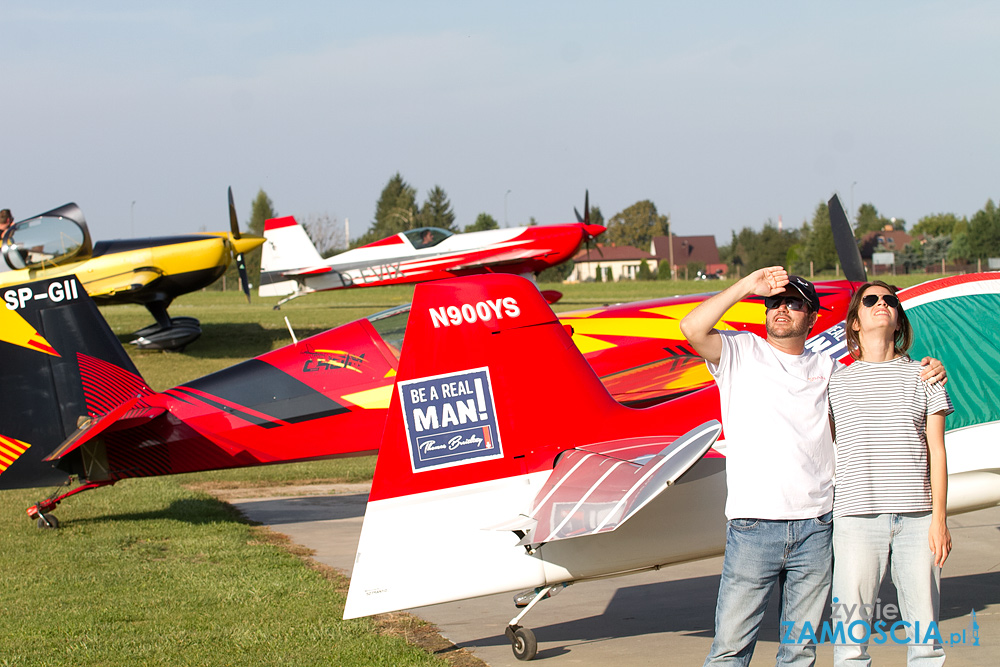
904	332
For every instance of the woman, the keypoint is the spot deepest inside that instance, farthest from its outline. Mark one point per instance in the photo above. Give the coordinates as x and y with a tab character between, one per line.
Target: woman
891	484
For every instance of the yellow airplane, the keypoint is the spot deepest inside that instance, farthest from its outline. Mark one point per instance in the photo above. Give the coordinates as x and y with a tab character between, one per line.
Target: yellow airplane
151	271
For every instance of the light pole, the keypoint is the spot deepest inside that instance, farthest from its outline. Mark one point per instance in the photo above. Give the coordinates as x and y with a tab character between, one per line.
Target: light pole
505	208
852	198
133	218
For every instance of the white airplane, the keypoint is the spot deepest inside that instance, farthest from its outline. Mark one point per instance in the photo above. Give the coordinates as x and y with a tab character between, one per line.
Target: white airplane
291	267
493	477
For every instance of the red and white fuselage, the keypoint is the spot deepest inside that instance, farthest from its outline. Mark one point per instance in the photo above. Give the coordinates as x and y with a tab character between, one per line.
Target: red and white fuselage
291	266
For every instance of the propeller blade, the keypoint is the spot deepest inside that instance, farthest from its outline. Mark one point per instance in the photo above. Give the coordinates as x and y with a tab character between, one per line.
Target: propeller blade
847	246
234	225
234	230
585	218
244	281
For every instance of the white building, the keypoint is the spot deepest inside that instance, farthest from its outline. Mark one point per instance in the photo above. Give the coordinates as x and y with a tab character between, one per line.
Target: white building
623	262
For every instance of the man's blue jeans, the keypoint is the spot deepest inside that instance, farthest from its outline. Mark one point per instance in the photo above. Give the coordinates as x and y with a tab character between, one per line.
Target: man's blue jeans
794	555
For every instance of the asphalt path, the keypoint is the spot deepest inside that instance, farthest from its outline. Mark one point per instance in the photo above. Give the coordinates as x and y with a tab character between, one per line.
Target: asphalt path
661	617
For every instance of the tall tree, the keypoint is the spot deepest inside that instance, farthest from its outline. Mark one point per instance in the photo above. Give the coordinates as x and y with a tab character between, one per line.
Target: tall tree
261	210
936	248
960	251
984	231
596	217
395	212
636	226
751	250
869	220
819	247
326	233
436	211
483	222
939	224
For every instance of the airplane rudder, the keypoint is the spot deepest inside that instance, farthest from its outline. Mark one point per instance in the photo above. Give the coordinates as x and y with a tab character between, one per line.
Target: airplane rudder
45	327
489	385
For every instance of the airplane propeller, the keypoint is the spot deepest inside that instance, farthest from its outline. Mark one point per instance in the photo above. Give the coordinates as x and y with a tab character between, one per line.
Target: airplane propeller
234	231
846	244
590	232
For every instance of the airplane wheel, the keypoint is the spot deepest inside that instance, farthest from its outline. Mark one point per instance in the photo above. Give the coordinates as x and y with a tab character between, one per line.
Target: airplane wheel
47	521
524	645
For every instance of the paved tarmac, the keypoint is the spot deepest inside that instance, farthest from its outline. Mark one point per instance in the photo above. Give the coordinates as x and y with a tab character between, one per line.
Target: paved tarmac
663	617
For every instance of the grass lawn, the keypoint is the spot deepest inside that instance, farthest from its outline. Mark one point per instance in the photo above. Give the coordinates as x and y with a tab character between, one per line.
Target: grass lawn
155	572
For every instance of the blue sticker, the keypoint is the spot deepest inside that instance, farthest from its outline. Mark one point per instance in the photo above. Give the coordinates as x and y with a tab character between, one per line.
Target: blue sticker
832	342
450	419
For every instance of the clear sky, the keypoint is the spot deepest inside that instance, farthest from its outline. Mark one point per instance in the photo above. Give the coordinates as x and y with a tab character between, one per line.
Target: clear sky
724	114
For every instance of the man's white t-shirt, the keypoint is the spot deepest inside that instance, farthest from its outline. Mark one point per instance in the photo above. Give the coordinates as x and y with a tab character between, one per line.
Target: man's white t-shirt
778	447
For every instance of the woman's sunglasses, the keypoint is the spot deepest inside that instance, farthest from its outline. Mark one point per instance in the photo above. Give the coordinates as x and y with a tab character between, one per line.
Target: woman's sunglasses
871	299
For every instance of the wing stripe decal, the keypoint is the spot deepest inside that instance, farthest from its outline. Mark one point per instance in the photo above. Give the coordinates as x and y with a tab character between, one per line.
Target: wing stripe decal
107	386
242	414
10	449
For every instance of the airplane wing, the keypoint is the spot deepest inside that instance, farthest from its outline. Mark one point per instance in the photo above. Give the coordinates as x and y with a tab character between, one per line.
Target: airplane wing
127	281
511	256
308	271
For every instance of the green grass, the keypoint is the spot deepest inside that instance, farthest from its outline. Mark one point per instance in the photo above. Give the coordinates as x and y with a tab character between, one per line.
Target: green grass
149	573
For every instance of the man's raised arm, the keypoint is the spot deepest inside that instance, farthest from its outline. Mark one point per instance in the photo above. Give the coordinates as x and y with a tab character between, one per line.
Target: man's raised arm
698	326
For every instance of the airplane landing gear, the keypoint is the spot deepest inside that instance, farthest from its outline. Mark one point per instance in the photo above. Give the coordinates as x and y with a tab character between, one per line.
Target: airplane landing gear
41	510
522	640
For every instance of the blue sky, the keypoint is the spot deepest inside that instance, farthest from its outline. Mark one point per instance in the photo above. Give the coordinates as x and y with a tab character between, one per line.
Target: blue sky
724	114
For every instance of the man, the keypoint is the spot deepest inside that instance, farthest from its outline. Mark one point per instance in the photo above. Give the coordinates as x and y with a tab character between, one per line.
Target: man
6	220
779	463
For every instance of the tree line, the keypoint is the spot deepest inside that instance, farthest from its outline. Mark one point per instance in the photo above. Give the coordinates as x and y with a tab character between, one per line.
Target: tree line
943	236
937	237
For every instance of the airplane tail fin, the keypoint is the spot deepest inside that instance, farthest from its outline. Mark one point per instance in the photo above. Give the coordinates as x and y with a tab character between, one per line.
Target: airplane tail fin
287	246
490	392
62	365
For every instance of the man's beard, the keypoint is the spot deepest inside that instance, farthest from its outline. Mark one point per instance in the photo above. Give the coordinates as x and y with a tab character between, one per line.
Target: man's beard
790	331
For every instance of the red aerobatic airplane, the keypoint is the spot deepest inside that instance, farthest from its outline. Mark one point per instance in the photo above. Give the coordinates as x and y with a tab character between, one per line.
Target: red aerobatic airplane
493	477
291	267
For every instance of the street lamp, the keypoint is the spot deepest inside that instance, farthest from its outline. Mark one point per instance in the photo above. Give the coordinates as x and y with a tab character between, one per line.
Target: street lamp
505	208
852	197
133	218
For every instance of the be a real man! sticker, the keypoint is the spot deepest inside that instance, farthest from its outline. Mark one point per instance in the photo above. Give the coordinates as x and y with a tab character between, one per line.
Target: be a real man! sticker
450	419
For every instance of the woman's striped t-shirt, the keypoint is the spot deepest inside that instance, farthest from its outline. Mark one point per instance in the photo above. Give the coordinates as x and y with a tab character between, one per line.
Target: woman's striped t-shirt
880	413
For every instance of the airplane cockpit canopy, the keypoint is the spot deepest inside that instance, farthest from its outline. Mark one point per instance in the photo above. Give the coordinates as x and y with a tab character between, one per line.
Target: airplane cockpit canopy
49	239
426	237
391	326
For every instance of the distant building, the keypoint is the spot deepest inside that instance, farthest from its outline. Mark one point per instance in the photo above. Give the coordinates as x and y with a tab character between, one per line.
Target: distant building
687	250
624	262
883	240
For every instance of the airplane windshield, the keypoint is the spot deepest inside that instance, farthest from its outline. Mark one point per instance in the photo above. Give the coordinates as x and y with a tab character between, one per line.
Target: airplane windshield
41	241
426	237
391	326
